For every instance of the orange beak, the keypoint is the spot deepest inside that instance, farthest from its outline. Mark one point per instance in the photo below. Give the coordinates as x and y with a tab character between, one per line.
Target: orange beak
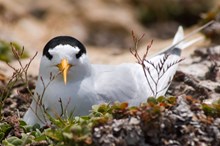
64	67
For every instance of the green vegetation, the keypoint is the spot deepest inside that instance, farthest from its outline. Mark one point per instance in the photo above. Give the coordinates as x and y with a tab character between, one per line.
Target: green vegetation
182	11
5	51
78	130
213	109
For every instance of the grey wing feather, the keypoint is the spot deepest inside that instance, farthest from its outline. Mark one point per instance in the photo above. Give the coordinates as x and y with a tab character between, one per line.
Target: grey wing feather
120	83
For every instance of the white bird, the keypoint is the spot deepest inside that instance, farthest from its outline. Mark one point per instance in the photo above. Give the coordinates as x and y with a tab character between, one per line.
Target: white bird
67	81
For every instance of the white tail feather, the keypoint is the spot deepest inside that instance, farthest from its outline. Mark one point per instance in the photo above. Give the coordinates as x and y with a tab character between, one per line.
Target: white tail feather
179	40
187	44
178	36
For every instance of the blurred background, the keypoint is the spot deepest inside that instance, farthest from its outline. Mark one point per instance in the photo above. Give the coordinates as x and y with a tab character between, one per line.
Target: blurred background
103	26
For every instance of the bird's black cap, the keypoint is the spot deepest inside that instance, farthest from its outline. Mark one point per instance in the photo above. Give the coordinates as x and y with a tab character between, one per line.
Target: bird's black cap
63	40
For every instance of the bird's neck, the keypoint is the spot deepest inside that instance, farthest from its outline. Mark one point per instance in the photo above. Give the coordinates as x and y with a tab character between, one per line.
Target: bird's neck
82	72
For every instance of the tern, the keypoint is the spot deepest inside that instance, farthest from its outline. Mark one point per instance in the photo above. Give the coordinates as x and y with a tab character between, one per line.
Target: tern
69	83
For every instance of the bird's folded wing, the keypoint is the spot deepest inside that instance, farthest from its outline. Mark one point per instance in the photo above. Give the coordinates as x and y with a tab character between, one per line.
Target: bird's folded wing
120	83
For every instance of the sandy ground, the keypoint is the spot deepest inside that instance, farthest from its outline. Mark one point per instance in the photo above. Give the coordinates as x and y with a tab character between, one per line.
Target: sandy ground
107	55
32	24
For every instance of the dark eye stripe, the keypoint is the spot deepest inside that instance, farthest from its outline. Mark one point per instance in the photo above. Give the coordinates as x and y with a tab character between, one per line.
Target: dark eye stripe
63	40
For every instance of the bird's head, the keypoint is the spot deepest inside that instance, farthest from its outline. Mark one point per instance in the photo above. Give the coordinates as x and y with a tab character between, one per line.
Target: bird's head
64	55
